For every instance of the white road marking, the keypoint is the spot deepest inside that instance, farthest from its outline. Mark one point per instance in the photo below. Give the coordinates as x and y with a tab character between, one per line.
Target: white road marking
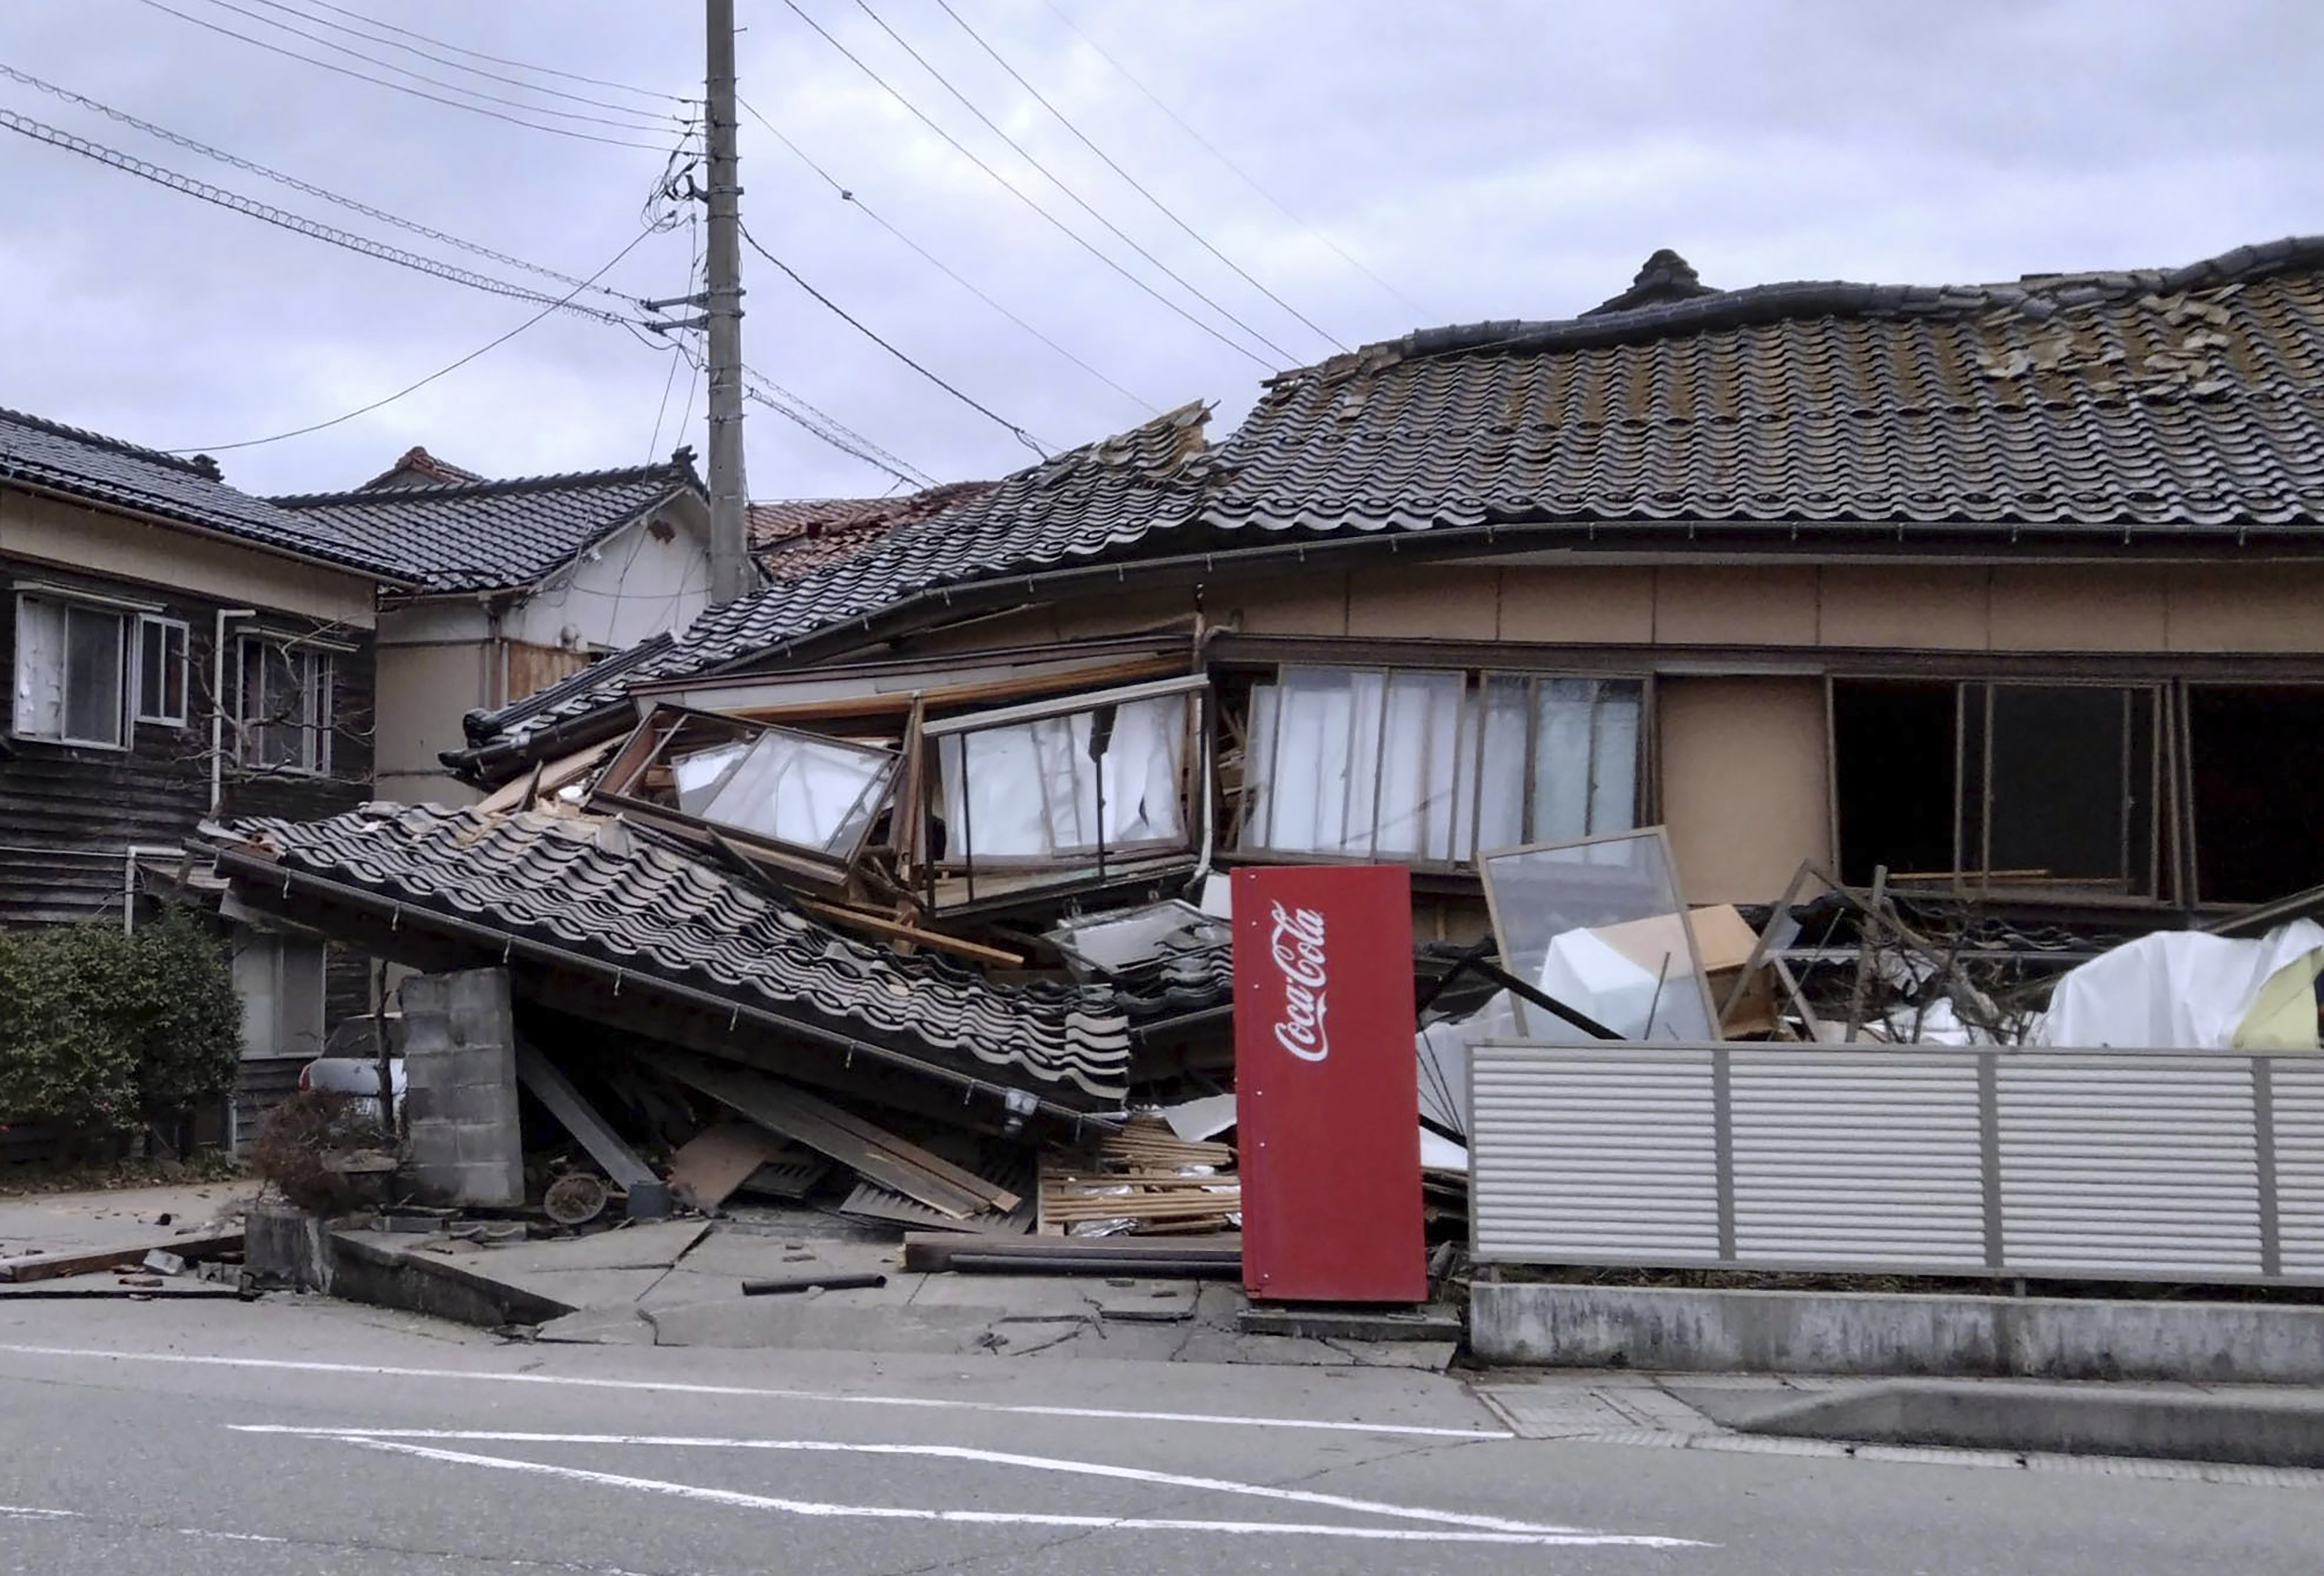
237	1537
1544	1538
576	1381
944	1451
35	1512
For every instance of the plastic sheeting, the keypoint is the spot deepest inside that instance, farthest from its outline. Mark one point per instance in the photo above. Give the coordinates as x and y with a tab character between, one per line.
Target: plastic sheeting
2187	990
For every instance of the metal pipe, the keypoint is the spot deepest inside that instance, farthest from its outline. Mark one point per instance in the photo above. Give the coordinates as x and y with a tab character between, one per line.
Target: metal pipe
129	858
217	703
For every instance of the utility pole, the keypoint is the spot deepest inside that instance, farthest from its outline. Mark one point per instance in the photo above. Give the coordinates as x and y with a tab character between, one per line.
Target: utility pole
729	563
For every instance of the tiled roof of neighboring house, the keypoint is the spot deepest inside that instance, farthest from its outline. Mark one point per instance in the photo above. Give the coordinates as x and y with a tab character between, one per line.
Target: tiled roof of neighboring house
1074	506
494	536
595	888
100	470
2167	400
418	468
795	537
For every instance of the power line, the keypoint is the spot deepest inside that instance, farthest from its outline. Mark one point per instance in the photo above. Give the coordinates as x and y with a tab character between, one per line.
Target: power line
382	215
1023	436
850	197
234	202
499	60
431	377
760	389
398	87
372	38
1240	172
1023	152
1007	184
635	120
1159	207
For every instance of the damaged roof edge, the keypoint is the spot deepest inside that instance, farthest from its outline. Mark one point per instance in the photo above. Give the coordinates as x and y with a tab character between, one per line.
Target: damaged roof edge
267	874
491	758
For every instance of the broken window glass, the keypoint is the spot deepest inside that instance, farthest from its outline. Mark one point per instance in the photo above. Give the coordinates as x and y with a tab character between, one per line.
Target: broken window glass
1600	925
1431	767
1112	776
793	787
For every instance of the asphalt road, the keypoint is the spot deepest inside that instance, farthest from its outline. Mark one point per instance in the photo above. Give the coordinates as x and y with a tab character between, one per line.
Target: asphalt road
301	1438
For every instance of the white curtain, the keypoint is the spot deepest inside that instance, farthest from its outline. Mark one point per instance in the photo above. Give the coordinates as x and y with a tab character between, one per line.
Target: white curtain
1031	791
40	699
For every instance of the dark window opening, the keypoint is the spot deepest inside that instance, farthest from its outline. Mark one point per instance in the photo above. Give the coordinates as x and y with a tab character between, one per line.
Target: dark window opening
1894	747
2257	757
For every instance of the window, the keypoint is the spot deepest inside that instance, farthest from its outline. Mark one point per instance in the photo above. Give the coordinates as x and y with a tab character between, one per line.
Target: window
2007	785
1104	779
1434	767
795	787
71	673
286	706
160	670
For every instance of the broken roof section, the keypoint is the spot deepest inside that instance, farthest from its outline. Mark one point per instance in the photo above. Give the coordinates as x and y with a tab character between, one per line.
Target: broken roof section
593	897
462	536
1085	506
2092	405
794	538
2085	408
419	469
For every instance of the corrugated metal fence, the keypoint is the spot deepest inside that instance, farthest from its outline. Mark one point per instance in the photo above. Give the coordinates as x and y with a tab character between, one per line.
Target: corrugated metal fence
2099	1165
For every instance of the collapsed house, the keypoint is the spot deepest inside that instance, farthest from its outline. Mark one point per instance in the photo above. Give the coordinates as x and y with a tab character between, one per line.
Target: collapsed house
2002	601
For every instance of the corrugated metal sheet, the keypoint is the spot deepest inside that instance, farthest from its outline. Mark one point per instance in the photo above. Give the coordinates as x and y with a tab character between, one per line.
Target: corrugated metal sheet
1595	1155
2106	1165
2298	1097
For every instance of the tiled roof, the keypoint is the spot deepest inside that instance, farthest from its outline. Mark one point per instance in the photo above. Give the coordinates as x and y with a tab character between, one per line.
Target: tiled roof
1075	506
794	538
493	536
592	885
104	470
2171	402
417	468
2097	402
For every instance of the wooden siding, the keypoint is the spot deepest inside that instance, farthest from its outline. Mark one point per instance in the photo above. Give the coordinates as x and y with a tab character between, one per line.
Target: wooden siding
67	814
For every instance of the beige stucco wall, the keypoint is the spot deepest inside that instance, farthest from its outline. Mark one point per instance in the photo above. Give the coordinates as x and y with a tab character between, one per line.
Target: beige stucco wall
1743	783
423	692
94	542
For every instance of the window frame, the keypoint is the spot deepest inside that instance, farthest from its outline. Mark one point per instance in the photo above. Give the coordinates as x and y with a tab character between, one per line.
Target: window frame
319	686
2150	874
960	858
67	604
147	624
1468	784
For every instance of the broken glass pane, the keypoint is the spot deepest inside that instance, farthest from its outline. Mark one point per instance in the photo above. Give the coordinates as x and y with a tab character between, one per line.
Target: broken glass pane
1600	925
797	788
698	773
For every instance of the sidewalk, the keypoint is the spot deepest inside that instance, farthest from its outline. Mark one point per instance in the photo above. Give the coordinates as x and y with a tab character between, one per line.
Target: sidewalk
43	1233
679	1283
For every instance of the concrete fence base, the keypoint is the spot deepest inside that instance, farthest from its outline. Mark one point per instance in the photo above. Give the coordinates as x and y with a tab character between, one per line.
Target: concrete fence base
1841	1333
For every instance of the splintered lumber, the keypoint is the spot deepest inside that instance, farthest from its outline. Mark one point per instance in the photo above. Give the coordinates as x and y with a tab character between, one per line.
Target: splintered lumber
1144	1174
707	1168
879	924
32	1267
862	1147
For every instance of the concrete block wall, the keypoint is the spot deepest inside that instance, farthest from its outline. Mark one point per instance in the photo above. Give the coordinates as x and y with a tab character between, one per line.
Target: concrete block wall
460	1103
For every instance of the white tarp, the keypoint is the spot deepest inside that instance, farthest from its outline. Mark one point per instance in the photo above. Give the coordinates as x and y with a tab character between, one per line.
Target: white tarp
2185	989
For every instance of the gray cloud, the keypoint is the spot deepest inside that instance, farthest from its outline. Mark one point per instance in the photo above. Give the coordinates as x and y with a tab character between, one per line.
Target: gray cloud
1493	158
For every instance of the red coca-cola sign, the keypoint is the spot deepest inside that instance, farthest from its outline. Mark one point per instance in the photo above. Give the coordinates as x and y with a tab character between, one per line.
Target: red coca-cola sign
1326	1092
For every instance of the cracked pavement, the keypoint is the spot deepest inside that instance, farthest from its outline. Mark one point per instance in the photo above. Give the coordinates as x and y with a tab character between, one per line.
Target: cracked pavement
298	1435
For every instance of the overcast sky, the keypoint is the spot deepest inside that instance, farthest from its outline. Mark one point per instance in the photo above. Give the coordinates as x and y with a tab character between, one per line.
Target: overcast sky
1485	158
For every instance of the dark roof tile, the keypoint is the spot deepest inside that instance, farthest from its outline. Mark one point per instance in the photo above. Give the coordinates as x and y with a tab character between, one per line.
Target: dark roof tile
592	886
103	470
494	536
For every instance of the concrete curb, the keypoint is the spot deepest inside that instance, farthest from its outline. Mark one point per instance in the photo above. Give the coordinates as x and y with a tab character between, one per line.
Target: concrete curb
1676	1329
2264	1431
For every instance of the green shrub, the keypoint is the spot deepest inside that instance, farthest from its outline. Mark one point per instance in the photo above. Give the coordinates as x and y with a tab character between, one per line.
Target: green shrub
100	1030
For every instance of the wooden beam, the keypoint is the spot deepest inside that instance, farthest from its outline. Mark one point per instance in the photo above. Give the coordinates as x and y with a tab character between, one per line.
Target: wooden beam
33	1266
897	930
